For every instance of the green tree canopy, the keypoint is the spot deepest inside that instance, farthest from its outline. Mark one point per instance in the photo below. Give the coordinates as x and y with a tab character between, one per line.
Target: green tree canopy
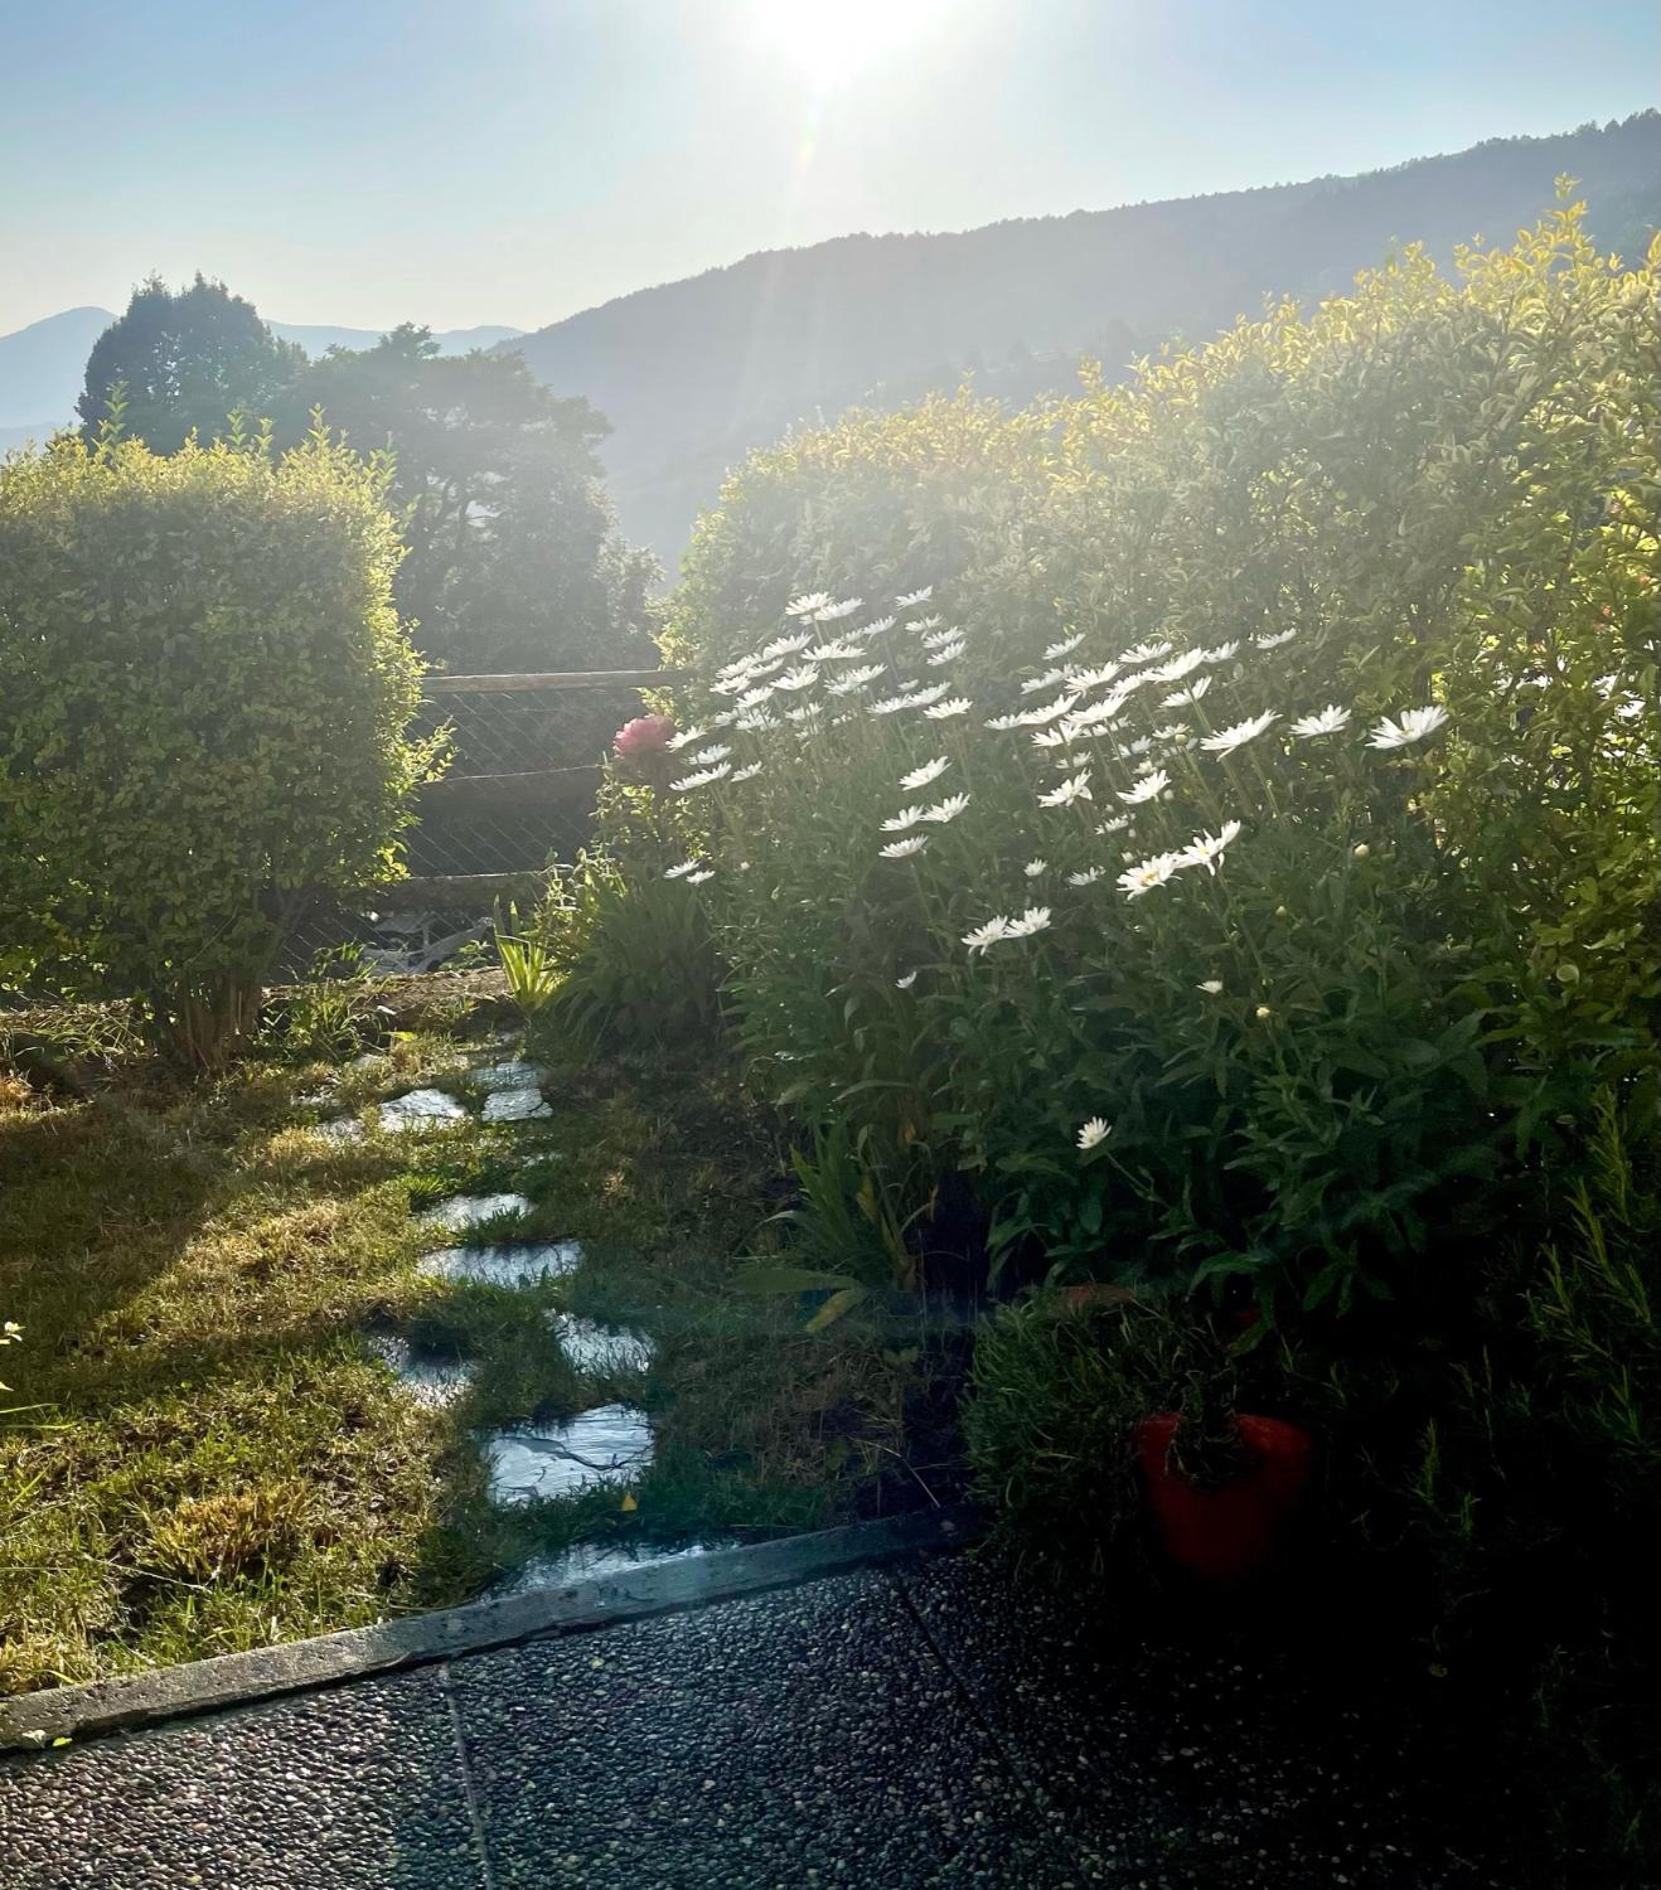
514	559
184	361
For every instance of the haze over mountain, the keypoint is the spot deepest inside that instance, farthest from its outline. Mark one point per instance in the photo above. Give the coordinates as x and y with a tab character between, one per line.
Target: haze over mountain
694	373
41	366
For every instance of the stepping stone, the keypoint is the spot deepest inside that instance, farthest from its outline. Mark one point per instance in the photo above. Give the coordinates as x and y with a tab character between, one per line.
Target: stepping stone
610	1444
512	1263
433	1382
421	1109
515	1105
463	1211
516	1074
592	1562
591	1347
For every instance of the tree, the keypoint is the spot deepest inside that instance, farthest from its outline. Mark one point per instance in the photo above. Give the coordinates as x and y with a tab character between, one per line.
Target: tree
184	361
514	559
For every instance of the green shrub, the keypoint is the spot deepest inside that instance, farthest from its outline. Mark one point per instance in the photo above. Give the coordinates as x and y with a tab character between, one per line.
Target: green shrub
1332	1043
204	690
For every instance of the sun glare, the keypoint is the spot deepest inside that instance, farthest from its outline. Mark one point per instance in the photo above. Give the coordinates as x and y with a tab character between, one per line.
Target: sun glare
832	41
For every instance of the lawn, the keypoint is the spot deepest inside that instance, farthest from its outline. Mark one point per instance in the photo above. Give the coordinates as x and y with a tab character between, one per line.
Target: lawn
204	1452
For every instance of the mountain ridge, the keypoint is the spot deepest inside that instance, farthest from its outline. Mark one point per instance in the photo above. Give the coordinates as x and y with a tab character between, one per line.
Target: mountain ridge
694	373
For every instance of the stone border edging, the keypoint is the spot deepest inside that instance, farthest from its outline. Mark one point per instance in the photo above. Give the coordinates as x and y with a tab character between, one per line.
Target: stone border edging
31	1721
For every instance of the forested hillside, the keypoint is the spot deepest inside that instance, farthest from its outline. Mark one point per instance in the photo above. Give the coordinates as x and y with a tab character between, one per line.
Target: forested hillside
693	373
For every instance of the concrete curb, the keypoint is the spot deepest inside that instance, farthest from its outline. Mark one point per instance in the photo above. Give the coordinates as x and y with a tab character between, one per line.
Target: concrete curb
33	1720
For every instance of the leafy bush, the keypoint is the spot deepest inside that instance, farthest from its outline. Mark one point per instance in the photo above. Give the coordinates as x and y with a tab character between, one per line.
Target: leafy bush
1350	672
1245	874
204	689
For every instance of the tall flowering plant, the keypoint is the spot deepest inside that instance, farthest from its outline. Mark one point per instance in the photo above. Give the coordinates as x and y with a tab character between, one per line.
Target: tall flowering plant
1227	927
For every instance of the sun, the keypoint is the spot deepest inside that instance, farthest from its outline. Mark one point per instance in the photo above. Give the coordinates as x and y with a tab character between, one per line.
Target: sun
831	41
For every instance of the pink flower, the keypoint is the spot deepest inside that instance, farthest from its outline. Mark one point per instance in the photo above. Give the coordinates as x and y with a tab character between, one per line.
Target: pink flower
645	735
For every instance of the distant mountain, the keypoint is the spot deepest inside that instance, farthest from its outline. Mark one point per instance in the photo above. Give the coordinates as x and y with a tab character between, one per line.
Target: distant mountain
318	341
694	373
41	366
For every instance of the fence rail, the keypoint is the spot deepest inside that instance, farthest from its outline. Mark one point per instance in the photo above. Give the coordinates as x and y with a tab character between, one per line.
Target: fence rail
485	832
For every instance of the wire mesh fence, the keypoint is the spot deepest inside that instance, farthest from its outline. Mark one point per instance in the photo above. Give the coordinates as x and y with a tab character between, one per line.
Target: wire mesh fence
525	756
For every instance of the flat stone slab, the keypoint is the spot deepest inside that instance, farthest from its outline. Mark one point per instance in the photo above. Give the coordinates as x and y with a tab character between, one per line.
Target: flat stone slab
462	1211
516	1105
421	1109
514	1074
593	1561
610	1444
591	1347
341	1129
510	1263
433	1382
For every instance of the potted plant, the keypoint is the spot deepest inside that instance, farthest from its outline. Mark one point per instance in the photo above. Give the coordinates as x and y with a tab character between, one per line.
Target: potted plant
1221	1485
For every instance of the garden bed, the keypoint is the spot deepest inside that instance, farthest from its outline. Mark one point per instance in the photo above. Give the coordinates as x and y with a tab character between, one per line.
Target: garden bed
211	1447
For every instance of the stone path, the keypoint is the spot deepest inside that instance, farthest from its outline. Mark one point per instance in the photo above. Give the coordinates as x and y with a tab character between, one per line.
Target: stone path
932	1724
611	1443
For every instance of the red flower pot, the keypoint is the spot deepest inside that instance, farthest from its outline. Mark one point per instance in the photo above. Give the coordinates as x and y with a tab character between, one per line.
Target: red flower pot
1226	1534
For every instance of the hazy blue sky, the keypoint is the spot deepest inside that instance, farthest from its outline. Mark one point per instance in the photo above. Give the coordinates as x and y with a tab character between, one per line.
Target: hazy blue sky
367	161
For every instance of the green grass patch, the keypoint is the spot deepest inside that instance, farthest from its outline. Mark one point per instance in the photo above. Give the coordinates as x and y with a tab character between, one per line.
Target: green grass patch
203	1455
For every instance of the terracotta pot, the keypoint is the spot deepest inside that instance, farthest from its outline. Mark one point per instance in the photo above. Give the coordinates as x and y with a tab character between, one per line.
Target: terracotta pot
1226	1534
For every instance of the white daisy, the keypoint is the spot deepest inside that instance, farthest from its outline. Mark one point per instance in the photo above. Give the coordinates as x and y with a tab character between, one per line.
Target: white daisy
686	736
1327	721
1211	986
1207	849
746	774
853	679
1033	684
1225	741
906	817
785	646
1052	737
833	613
1414	726
699	878
843	650
1117	824
919	624
1186	698
754	698
878	626
807	606
1147	653
1149	788
905	983
947	653
921	698
1065	647
904	849
1087	878
1219	652
915	597
1137	880
704	778
948	809
888	705
1092	1134
1274	642
936	638
754	721
1095	678
953	705
681	871
993	932
1034	868
930	771
705	756
1177	667
1034	919
804	676
1075	788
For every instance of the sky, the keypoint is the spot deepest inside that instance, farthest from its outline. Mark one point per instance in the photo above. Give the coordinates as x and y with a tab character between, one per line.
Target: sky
365	162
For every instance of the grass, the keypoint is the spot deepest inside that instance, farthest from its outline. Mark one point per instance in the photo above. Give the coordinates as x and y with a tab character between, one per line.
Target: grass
203	1456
